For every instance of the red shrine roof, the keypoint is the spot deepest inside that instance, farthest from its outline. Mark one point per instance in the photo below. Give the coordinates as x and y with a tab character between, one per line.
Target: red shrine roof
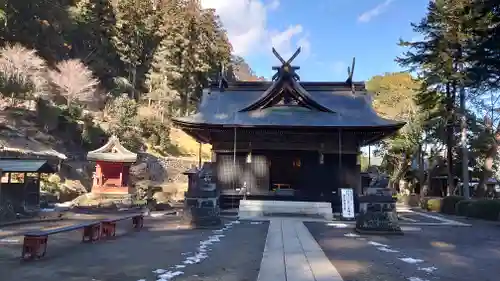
112	151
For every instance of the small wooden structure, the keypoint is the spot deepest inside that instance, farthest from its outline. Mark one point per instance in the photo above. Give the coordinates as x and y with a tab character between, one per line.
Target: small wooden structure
22	191
113	163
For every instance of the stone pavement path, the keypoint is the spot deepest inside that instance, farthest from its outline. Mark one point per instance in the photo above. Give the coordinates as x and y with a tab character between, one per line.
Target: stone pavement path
292	254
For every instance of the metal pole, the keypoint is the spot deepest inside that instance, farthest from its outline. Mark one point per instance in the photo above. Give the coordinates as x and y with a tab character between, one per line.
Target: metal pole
463	144
340	153
234	148
199	155
234	167
369	155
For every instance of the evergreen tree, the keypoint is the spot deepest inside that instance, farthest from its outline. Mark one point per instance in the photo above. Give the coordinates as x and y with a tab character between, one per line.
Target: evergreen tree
440	59
96	20
136	39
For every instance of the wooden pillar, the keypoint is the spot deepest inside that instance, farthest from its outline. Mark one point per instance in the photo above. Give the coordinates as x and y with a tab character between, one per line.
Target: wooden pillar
121	175
199	155
25	183
99	174
1	173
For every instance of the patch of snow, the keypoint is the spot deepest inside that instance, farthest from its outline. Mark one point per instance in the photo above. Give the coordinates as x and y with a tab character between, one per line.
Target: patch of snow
376	244
64	204
387	250
351	235
411	260
47	210
338	225
7	240
411	228
430	269
256	222
197	257
170	274
157	215
416	279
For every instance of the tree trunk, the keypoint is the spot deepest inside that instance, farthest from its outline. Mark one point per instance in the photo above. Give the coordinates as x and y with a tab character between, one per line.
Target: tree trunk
449	139
488	165
421	168
184	104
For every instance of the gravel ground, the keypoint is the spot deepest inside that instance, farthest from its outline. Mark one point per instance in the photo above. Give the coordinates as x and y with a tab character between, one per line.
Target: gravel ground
162	244
444	253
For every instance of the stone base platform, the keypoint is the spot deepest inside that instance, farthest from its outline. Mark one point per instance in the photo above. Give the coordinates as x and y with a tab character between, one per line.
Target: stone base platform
259	208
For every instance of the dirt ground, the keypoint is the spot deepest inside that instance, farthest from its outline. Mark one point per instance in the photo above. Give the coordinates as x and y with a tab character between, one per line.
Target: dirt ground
423	253
231	253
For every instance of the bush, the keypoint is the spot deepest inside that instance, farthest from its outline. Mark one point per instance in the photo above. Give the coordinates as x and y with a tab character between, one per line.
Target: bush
431	203
462	206
155	131
484	209
435	204
448	204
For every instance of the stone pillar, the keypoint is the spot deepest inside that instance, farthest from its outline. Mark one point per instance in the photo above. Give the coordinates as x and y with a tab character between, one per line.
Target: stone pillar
377	214
201	203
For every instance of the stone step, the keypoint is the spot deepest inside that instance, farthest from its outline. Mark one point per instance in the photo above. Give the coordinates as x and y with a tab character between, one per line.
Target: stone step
256	208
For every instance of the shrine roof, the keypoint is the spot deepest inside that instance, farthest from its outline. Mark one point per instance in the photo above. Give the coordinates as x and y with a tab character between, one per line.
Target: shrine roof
345	109
25	166
287	102
112	151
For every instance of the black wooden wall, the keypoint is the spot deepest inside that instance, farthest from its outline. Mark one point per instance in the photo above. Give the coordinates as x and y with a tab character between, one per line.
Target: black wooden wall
314	181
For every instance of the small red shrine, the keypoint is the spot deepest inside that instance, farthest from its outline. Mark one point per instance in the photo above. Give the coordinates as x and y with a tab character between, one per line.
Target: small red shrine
113	163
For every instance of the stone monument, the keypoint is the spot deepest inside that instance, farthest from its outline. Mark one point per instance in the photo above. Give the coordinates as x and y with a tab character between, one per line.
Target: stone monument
377	210
201	203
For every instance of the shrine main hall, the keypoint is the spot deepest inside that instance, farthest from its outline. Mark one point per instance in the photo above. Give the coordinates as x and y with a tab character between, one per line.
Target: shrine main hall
285	139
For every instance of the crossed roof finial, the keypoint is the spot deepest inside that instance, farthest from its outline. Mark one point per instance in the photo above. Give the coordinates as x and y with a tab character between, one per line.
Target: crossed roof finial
350	73
286	70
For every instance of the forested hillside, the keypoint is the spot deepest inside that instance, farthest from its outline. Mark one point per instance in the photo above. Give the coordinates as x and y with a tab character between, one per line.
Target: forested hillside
74	71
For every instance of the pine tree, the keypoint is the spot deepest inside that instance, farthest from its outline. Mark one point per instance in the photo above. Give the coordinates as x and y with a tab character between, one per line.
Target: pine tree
440	60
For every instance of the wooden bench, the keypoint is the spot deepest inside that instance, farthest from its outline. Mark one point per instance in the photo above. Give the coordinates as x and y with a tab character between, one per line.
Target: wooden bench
108	226
35	242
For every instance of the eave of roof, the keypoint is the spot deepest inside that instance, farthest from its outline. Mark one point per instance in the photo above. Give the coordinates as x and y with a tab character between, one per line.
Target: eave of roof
112	151
295	90
25	166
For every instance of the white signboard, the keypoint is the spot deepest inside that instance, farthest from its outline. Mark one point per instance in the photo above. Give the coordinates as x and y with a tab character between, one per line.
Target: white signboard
347	197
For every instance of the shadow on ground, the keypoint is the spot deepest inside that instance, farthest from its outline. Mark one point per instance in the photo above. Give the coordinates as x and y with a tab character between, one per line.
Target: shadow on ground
447	253
134	255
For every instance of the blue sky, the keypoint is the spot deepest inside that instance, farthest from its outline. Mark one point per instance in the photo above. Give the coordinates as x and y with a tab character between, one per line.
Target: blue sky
330	32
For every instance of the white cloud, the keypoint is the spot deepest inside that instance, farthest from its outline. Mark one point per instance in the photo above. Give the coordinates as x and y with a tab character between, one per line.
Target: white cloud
376	11
248	32
273	5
